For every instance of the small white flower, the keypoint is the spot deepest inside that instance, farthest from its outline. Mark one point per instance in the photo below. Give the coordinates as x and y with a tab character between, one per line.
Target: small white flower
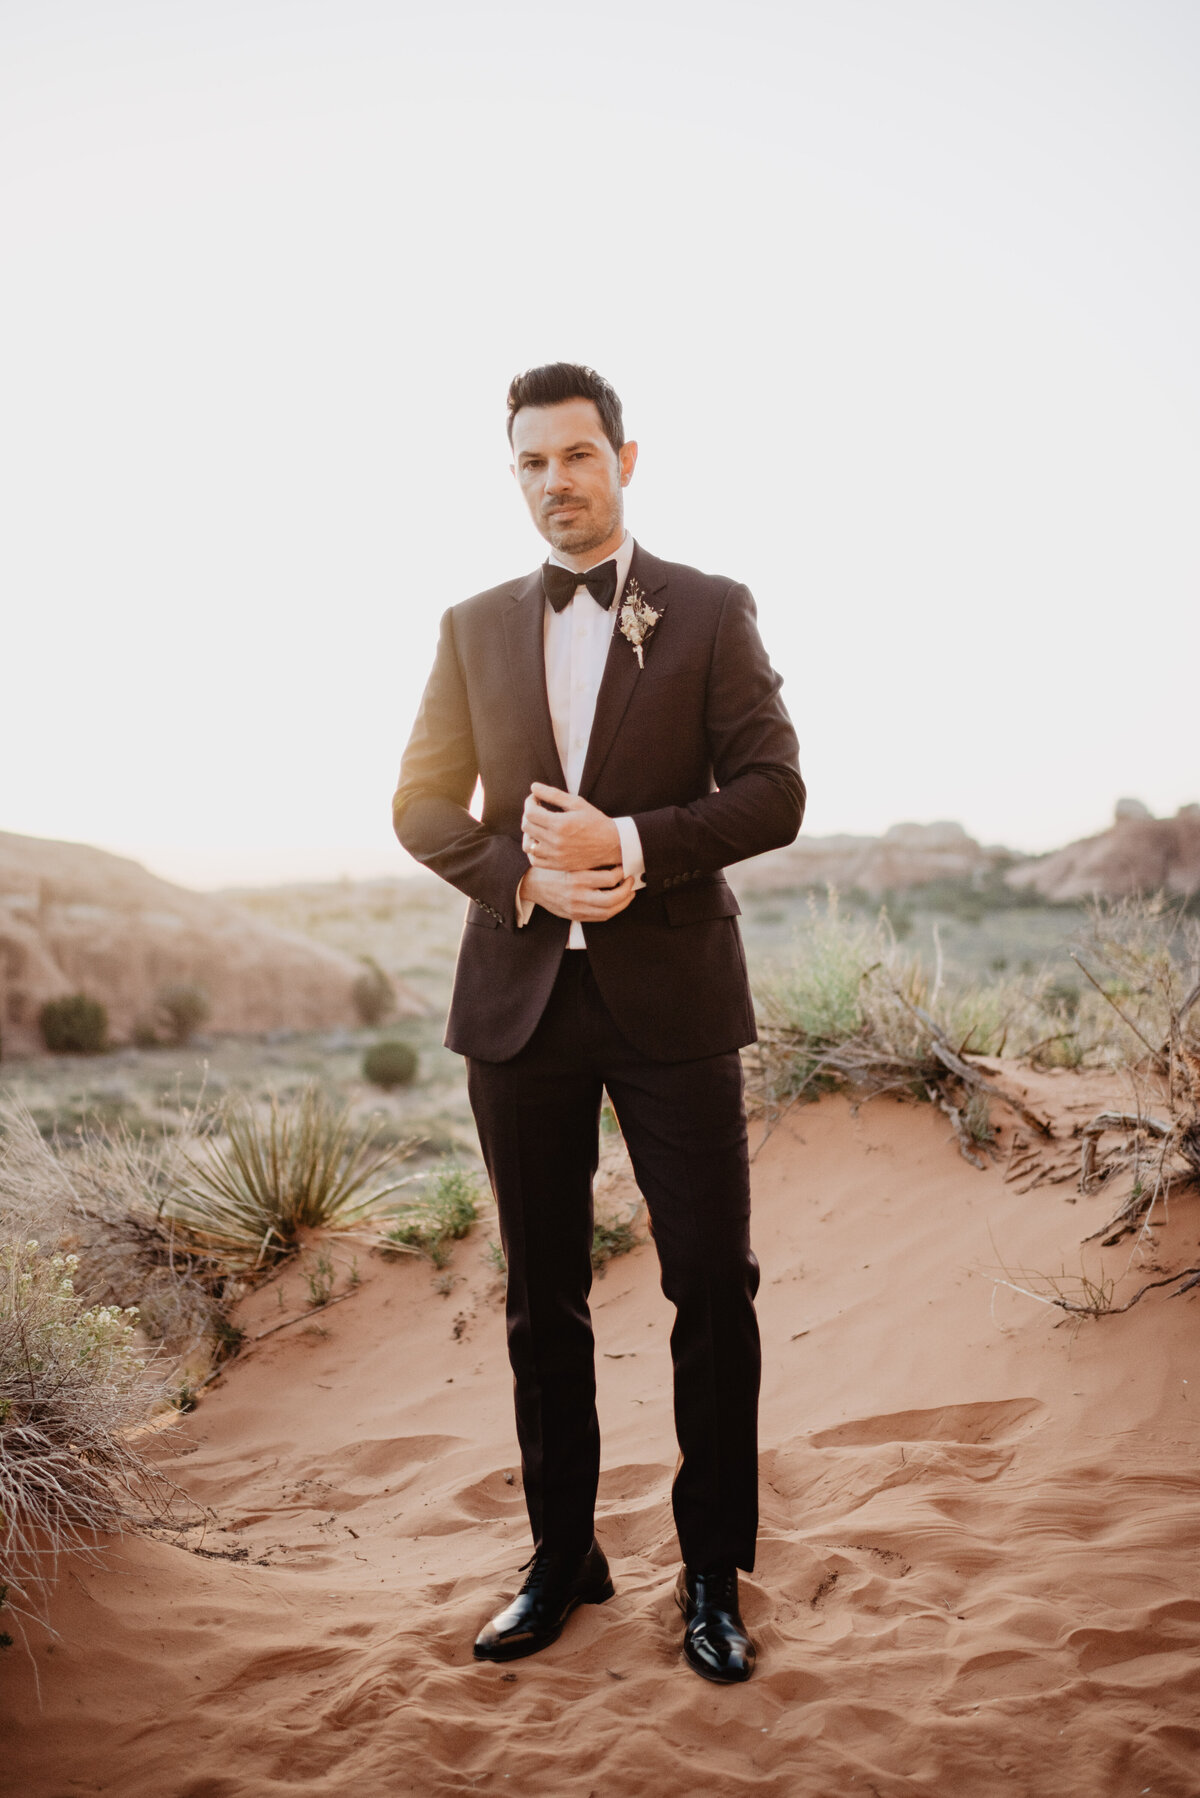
636	620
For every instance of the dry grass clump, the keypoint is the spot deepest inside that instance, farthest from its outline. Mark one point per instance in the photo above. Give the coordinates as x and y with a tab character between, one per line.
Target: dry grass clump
149	1236
175	1223
1142	959
853	1009
101	1195
247	1196
72	1384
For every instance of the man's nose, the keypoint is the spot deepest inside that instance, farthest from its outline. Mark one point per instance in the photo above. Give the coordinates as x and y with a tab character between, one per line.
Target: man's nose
558	477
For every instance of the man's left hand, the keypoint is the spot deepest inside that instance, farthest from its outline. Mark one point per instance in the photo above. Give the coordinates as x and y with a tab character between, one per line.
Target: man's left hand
563	832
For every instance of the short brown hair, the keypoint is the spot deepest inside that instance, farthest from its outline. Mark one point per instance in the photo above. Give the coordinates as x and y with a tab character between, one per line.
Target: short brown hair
555	382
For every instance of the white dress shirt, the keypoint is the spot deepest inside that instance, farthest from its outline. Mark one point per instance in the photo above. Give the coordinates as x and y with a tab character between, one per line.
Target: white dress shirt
576	643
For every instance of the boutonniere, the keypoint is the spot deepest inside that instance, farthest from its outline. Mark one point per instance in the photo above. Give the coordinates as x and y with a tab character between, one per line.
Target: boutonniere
636	620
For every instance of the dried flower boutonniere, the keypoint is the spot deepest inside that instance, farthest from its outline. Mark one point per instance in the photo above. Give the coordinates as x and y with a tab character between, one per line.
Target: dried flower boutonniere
636	620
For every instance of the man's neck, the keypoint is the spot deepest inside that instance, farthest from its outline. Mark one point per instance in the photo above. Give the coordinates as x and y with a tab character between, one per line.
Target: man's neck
591	558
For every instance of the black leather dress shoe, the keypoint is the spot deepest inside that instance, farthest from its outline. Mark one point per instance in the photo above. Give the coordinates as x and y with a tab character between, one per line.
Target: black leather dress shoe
715	1642
536	1615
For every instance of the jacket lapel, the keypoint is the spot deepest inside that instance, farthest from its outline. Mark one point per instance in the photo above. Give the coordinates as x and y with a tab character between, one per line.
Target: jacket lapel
621	671
524	638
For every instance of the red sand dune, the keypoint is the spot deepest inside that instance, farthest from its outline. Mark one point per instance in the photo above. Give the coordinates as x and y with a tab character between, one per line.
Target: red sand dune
978	1572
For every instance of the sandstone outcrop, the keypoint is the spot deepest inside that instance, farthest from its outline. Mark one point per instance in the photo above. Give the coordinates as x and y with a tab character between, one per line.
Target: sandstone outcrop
1137	854
77	919
907	855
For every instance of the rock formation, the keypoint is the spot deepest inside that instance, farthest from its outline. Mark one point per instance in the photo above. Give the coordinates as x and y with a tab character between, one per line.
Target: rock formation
907	855
1139	853
76	919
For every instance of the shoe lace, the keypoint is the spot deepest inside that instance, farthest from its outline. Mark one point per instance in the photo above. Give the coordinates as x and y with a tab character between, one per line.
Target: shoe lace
539	1565
720	1590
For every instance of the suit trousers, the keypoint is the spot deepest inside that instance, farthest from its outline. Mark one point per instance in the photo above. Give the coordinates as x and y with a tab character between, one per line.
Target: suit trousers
684	1124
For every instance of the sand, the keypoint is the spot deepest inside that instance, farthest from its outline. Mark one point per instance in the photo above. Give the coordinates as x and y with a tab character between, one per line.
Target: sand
978	1569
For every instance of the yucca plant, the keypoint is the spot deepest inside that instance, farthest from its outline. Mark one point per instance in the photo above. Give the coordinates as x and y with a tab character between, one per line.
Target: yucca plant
266	1179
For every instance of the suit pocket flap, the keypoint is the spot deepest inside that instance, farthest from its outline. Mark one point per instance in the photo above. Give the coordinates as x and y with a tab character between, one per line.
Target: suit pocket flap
697	904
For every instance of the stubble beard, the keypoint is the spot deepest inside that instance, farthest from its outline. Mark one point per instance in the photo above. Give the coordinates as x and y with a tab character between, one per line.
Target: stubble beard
576	536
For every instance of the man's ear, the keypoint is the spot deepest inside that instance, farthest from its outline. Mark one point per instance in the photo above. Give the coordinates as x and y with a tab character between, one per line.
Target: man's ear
627	457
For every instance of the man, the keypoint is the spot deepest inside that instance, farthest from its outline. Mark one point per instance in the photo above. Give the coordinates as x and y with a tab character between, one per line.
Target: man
627	729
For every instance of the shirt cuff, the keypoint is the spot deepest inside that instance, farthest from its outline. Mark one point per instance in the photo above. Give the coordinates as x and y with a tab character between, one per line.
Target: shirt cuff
632	860
525	907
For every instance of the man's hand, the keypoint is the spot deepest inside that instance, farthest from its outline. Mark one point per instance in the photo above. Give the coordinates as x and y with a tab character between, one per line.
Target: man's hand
565	833
587	897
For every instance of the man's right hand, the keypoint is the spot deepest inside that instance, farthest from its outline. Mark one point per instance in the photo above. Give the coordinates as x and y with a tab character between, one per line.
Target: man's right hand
590	897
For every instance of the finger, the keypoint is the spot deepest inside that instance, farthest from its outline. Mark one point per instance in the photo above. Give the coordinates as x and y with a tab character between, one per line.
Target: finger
606	900
536	817
565	802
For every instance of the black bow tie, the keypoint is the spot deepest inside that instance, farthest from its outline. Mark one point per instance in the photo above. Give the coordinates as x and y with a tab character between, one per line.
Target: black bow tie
559	584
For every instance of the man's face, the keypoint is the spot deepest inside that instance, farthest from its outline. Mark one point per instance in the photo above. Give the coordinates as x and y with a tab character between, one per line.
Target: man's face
571	476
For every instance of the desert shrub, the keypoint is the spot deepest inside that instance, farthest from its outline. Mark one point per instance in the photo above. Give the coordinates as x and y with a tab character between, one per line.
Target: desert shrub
495	1256
182	1009
443	1214
71	1387
104	1190
1140	958
610	1239
853	1010
373	994
390	1064
74	1025
250	1193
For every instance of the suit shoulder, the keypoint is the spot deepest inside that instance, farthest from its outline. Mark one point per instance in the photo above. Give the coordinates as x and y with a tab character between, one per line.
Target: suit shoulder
695	580
491	601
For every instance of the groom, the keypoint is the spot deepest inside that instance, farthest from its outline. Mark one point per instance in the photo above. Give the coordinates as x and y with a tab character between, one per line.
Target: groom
626	726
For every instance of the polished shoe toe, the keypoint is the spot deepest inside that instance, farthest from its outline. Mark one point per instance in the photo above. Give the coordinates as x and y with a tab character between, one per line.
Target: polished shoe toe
553	1588
715	1642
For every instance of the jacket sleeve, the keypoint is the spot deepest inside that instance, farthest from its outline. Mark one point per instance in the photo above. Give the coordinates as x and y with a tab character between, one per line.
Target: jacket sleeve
758	801
437	778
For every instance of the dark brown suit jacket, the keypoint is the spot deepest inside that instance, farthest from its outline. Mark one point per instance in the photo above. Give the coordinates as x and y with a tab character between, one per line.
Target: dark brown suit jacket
696	747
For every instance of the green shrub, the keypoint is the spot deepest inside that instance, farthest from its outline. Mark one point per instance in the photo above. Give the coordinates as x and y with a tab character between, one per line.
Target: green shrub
495	1256
390	1064
74	1025
853	1010
183	1009
612	1239
304	1165
443	1214
373	994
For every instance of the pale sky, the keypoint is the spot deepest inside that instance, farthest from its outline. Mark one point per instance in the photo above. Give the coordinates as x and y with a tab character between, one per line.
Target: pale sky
900	297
